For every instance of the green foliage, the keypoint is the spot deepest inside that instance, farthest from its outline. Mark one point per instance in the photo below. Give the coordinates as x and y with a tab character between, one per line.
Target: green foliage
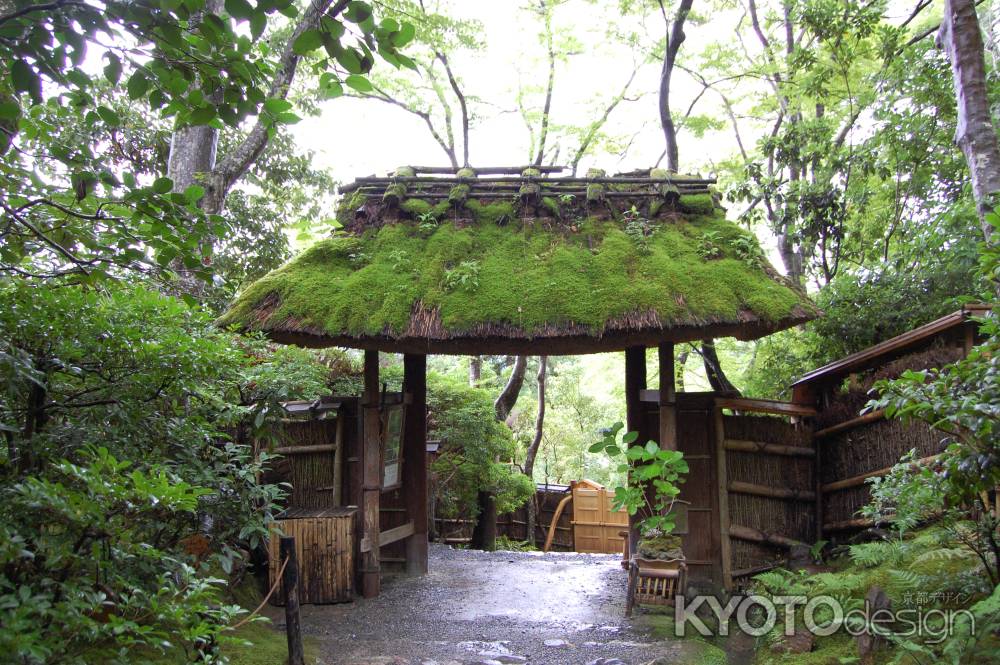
586	277
647	467
472	441
72	207
128	481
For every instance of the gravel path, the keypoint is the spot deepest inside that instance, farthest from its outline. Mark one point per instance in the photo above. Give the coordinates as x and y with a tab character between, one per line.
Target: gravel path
488	608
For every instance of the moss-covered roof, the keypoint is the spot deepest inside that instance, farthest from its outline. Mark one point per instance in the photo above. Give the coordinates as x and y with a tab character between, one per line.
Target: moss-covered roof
529	267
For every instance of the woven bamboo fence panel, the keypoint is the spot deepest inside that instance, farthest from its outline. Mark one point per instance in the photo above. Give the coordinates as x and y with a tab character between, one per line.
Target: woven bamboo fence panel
865	449
314	476
324	547
794	518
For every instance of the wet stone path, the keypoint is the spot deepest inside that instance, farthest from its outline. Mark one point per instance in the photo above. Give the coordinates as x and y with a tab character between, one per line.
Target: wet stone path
489	608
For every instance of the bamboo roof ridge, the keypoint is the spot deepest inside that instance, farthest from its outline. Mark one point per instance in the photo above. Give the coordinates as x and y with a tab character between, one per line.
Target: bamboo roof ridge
434	260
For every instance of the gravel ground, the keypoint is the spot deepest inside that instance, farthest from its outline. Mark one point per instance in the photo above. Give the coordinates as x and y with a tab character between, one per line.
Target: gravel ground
491	607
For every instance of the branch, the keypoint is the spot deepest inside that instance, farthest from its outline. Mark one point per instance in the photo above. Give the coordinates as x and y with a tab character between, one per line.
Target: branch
596	126
49	6
462	105
236	163
547	107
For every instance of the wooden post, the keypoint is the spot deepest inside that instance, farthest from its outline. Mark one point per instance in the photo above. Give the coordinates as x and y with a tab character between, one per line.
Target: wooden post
371	453
818	482
290	586
635	383
725	544
415	460
668	398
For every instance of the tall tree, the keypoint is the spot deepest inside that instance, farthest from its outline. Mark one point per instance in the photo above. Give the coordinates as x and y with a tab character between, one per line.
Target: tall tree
961	38
532	452
674	38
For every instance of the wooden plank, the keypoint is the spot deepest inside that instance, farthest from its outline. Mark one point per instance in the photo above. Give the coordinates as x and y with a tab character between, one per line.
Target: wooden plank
725	541
874	416
414	472
396	534
855	481
768	448
371	476
666	397
765	406
784	493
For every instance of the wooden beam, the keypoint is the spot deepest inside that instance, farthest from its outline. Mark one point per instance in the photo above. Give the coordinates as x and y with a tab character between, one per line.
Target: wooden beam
765	406
396	534
784	493
635	382
415	460
764	538
667	397
371	465
855	481
847	525
306	450
874	416
722	474
769	448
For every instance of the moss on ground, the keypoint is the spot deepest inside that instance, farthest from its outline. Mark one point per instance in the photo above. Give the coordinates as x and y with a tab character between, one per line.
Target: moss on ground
529	276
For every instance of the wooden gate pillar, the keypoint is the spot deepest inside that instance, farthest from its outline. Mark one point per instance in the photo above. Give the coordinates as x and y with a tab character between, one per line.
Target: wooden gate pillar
668	398
371	465
415	460
635	383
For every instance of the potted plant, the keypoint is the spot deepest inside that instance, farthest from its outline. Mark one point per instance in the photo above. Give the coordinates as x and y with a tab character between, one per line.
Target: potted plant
657	571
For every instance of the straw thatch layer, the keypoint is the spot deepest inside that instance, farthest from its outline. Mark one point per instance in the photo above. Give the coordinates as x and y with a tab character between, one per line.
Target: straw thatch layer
523	274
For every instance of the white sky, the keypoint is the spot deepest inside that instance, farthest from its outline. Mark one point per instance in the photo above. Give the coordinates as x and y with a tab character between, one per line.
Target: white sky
354	137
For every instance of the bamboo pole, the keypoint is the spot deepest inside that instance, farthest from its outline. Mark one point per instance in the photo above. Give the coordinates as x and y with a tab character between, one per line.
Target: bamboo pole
872	417
555	519
306	450
788	494
769	448
757	536
855	481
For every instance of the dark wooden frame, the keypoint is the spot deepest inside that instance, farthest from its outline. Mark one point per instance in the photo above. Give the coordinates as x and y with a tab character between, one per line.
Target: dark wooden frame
388	412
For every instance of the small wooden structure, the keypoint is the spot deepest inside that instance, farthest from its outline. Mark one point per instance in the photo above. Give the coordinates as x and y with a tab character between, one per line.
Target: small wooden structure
851	447
654	582
324	549
524	262
597	527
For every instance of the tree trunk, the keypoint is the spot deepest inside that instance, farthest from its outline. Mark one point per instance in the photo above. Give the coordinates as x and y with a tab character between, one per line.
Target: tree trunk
960	37
674	38
484	535
713	369
475	370
505	402
536	442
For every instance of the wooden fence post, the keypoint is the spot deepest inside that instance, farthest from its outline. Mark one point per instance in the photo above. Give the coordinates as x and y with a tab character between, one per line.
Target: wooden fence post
290	585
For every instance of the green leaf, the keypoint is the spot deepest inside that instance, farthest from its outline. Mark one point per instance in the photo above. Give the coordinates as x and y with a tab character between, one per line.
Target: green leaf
194	193
597	447
137	85
307	42
359	83
349	60
9	110
358	12
25	79
239	9
113	70
258	22
276	106
404	36
629	437
109	116
163	185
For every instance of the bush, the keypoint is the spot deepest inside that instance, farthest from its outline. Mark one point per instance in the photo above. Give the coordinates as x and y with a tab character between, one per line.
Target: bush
128	483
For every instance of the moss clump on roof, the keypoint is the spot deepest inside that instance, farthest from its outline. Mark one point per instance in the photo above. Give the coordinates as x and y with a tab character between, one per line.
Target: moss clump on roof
528	275
699	204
